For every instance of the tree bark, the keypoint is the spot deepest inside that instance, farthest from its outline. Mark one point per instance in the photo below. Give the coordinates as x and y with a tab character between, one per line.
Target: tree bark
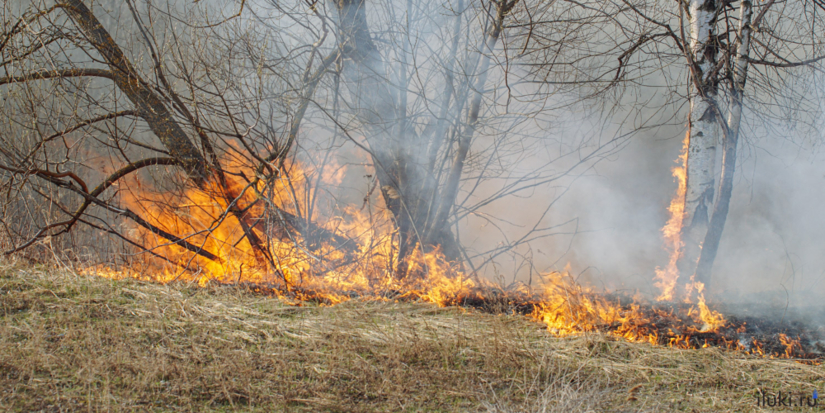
148	104
465	138
376	109
395	148
702	124
710	245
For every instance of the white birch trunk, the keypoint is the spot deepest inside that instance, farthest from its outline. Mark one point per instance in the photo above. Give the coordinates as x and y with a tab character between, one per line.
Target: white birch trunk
740	68
720	210
703	134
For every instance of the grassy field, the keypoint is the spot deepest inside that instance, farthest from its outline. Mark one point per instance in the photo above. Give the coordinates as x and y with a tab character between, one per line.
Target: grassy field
77	343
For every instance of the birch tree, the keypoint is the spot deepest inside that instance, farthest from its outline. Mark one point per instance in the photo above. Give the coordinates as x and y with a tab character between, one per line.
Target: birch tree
723	46
702	54
738	76
789	38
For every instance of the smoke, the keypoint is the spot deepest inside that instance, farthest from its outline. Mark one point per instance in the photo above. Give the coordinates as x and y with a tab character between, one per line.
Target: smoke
774	236
771	250
603	218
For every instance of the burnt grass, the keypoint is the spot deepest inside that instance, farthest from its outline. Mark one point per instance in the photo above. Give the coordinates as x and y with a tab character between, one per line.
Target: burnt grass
72	342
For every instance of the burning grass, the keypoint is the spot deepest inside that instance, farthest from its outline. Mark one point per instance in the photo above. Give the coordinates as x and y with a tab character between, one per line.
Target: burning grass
71	342
270	243
564	306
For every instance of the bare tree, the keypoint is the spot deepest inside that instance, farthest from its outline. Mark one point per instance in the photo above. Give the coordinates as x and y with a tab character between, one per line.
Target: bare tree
421	146
50	35
234	98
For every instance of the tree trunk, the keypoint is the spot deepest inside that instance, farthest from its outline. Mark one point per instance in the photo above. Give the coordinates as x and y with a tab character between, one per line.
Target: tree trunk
702	124
150	107
720	210
163	124
447	200
395	148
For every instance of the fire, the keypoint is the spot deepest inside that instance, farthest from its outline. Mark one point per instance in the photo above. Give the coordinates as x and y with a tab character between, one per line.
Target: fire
666	277
568	308
297	268
712	319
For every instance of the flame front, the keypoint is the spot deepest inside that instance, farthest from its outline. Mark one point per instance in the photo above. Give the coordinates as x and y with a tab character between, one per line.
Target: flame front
568	308
297	268
292	264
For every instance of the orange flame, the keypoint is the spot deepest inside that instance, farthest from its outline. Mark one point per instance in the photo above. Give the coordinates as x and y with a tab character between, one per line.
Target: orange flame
322	272
568	308
326	274
712	319
666	277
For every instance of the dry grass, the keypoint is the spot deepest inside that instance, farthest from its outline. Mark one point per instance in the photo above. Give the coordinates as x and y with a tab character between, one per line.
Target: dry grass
70	342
